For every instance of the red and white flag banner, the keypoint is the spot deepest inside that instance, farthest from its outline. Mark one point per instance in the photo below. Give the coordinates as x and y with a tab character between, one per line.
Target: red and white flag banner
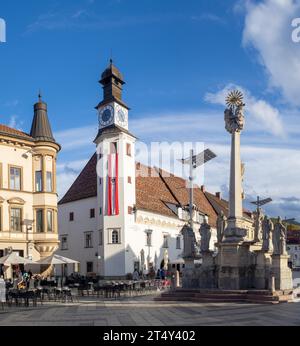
113	185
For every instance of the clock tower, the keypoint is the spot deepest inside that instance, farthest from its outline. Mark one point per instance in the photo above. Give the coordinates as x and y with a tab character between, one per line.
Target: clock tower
112	110
116	176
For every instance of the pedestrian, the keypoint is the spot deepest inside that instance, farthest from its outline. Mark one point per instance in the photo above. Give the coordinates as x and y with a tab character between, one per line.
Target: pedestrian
135	275
30	273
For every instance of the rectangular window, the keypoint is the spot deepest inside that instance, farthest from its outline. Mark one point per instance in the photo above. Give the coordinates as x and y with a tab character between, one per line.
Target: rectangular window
130	210
15	219
165	241
64	242
71	216
129	180
38	181
88	239
92	213
113	148
49	187
40	221
101	237
149	238
49	221
15	178
100	211
128	149
89	267
178	242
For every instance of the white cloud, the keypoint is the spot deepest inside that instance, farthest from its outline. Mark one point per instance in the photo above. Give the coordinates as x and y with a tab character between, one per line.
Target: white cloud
12	103
15	123
268	30
206	16
74	138
268	116
270	171
67	172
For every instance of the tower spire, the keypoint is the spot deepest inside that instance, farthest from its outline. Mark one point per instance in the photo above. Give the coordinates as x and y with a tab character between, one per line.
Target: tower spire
40	128
112	81
40	95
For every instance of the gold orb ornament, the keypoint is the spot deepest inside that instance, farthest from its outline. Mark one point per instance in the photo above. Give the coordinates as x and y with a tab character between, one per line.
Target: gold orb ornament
234	98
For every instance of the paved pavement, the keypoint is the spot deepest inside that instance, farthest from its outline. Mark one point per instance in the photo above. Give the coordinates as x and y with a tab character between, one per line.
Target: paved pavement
144	311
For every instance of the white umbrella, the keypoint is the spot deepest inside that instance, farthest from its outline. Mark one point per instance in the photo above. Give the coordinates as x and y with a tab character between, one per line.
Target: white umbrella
13	259
56	259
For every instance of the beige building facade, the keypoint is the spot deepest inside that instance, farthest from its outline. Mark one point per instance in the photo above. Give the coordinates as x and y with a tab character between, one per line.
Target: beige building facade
28	198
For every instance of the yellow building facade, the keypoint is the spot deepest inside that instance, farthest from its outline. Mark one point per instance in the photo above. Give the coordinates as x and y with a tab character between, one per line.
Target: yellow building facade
28	197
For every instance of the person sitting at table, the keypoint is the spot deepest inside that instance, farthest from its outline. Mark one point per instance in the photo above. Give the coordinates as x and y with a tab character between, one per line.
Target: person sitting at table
30	273
21	285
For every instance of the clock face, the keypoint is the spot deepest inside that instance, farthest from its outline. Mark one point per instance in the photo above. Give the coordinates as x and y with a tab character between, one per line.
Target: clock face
121	116
106	115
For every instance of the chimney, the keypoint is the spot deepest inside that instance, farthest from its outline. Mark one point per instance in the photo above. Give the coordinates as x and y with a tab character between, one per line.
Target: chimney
203	188
218	195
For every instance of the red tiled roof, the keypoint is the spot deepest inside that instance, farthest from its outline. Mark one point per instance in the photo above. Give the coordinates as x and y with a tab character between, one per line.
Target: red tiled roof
220	204
13	132
153	191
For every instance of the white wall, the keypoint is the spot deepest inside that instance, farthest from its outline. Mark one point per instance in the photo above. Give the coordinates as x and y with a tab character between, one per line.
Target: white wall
294	252
75	230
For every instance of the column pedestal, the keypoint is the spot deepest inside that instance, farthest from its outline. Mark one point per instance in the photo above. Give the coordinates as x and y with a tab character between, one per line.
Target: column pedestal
235	266
188	280
263	270
282	272
208	277
234	232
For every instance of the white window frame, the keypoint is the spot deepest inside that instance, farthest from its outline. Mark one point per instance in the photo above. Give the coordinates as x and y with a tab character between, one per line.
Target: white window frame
166	237
148	234
110	236
65	236
86	245
178	240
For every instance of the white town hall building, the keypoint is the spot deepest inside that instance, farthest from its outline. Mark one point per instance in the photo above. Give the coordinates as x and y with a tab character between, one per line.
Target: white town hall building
119	214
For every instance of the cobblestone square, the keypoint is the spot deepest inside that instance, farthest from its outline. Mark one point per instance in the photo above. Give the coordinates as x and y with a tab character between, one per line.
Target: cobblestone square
144	311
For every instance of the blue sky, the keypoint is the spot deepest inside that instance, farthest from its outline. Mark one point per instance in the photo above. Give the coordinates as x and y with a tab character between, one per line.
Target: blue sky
179	59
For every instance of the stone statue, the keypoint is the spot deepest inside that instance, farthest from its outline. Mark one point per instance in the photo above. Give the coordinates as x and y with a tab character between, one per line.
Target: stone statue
189	242
258	217
221	225
267	229
234	118
205	233
279	238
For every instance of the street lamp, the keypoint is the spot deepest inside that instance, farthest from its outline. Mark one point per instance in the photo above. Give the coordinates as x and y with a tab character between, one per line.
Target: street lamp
195	161
28	224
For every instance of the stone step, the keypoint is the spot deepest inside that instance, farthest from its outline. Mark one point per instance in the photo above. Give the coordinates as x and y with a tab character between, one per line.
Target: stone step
250	296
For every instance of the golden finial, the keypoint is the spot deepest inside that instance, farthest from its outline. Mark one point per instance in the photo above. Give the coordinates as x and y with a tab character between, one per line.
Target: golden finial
234	98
